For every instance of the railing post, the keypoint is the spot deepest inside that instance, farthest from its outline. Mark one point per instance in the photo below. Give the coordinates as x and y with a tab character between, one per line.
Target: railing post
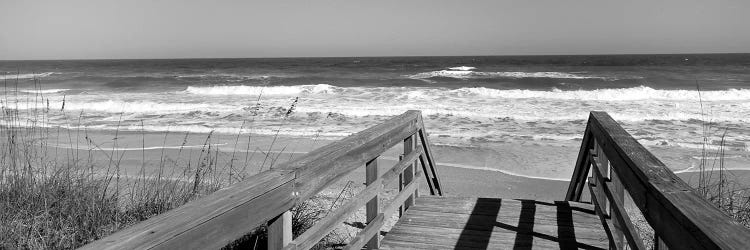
604	170
408	174
372	210
280	231
618	194
658	243
599	183
581	169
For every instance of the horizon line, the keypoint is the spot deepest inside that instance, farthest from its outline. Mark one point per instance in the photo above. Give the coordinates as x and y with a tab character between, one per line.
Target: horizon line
391	56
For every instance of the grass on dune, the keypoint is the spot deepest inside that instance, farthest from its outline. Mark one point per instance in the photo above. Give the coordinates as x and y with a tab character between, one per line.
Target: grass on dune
713	180
58	198
55	198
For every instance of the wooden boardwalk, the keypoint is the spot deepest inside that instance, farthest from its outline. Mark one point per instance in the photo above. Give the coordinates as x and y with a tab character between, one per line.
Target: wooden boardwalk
491	223
612	167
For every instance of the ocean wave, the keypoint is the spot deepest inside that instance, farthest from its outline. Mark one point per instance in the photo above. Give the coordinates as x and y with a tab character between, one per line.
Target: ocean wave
284	131
14	76
117	106
43	91
262	90
524	115
462	68
623	94
466	73
472	167
87	147
228	75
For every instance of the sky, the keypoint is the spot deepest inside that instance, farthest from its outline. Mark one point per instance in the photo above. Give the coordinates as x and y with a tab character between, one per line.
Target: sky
105	29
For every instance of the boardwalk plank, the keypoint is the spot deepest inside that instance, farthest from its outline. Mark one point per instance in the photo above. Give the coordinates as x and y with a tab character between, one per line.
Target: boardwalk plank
491	223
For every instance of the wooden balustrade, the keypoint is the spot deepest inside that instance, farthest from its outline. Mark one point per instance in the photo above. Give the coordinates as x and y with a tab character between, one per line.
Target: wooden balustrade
218	219
681	218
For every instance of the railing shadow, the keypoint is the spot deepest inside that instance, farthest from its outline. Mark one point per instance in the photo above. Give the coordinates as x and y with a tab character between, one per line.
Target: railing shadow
478	236
478	233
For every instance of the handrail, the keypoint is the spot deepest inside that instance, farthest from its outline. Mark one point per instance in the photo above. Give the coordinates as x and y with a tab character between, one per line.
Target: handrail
218	219
680	217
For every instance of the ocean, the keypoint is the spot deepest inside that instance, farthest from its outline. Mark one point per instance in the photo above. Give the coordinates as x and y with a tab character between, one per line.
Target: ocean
668	102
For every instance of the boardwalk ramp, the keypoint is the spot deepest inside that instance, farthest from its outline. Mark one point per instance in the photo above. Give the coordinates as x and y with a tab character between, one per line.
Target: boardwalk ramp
494	223
619	174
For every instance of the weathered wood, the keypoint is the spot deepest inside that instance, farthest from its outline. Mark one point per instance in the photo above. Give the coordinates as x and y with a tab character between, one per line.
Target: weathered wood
325	165
546	221
372	208
622	225
659	244
409	145
473	205
402	196
605	220
432	175
212	221
581	169
400	166
426	170
280	231
219	218
486	223
374	226
598	183
681	217
396	243
500	238
371	230
321	228
603	167
400	186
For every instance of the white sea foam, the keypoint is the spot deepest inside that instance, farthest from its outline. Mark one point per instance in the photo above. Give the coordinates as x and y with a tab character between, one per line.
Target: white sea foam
472	167
284	131
227	75
465	73
43	91
117	106
463	68
623	94
262	90
25	76
87	147
474	115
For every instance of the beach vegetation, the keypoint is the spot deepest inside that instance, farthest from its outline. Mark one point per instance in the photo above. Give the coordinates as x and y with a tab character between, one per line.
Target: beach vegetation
60	194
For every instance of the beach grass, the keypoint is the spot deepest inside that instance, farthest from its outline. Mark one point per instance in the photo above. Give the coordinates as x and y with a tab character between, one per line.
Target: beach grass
712	180
60	198
715	182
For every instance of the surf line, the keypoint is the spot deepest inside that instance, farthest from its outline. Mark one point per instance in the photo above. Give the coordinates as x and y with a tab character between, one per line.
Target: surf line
455	165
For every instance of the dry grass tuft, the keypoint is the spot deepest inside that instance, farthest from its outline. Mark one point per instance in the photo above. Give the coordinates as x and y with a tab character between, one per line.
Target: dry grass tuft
53	198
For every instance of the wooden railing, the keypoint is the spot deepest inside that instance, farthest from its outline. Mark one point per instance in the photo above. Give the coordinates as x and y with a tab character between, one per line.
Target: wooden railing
680	218
220	218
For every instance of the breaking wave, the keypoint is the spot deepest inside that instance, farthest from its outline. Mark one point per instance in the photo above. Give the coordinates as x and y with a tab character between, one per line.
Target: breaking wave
262	90
465	72
117	106
13	76
462	68
623	94
43	91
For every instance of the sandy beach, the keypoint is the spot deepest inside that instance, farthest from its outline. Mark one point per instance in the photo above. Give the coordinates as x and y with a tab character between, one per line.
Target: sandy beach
513	170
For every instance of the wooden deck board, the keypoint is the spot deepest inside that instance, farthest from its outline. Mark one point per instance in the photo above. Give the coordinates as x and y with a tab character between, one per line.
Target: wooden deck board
490	223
